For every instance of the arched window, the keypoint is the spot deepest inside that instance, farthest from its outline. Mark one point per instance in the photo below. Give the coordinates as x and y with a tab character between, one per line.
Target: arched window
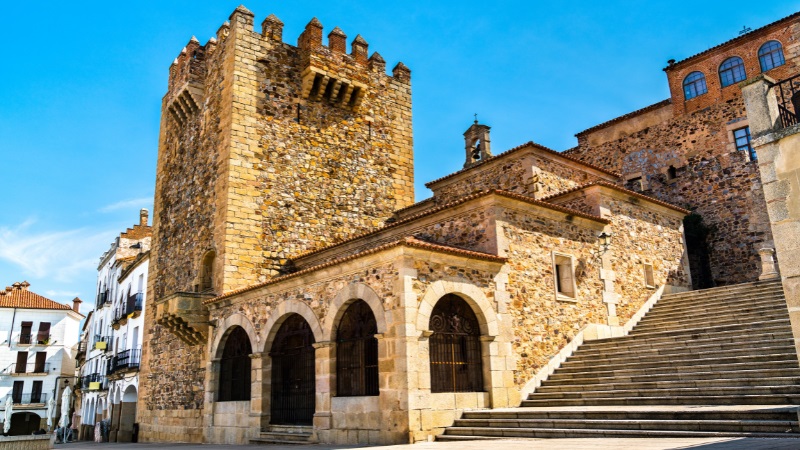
770	55
694	85
357	352
207	272
455	347
732	71
234	367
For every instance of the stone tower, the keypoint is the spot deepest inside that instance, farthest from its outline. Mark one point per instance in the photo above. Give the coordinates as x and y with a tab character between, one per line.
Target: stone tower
266	151
477	144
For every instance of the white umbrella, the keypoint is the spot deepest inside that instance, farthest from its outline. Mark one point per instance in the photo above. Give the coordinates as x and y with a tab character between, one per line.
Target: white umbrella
65	399
9	409
51	412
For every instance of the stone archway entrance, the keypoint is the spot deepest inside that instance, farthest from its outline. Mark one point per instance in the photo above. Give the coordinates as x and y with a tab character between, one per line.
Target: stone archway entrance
293	377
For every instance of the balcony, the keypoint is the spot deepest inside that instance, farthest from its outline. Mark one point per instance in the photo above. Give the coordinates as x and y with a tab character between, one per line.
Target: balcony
93	382
131	309
185	316
32	398
102	299
101	342
41	368
125	361
34	339
788	92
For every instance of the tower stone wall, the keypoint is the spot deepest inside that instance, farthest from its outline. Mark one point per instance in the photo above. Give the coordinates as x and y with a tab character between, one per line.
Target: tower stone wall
266	150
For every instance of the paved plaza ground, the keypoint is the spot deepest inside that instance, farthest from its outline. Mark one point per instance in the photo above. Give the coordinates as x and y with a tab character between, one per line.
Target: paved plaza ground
530	444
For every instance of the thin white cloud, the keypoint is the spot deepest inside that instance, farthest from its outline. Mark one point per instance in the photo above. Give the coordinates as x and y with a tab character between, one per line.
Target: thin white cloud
134	203
57	255
59	294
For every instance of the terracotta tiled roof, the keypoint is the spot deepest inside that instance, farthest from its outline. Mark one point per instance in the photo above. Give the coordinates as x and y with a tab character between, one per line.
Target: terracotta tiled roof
529	144
460	200
406	242
617	188
18	296
735	40
624	117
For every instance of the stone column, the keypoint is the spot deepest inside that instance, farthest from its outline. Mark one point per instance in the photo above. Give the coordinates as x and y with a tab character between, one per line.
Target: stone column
768	269
323	369
778	150
212	380
256	394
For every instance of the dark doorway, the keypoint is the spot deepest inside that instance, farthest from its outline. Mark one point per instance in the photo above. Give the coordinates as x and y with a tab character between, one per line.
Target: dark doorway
293	376
697	237
24	423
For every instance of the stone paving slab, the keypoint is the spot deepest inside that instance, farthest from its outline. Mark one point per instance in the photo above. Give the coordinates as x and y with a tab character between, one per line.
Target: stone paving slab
521	444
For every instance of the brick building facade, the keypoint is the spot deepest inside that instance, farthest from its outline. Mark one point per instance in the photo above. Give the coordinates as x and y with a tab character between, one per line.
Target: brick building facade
693	149
296	287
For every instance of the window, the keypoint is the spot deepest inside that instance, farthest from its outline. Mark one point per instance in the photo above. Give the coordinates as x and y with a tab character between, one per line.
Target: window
455	347
39	365
16	393
742	138
36	392
694	85
672	173
25	333
649	279
22	362
770	55
234	373
43	337
564	272
207	272
732	71
357	352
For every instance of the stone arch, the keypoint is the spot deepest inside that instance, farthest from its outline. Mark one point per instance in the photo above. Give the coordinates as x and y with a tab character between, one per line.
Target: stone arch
280	313
343	299
130	394
227	326
474	297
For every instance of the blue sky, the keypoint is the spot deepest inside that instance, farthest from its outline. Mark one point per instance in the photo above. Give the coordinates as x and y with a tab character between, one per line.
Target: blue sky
82	84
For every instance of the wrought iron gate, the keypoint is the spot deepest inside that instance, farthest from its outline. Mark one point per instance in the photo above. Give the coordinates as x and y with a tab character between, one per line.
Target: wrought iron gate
293	376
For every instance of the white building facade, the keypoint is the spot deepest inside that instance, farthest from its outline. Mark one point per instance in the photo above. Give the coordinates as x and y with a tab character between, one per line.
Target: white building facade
37	355
110	374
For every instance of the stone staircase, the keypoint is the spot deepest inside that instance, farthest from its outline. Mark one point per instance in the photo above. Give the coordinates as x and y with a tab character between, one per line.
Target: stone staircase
712	363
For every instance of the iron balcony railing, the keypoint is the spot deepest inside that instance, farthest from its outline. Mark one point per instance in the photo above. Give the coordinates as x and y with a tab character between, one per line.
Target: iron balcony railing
788	92
26	399
103	298
94	381
33	339
135	303
125	360
30	368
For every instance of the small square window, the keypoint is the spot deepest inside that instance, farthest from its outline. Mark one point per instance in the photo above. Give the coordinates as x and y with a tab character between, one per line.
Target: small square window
564	275
649	278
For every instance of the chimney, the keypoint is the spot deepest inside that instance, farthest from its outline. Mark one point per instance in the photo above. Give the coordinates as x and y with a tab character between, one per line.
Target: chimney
143	215
76	305
24	285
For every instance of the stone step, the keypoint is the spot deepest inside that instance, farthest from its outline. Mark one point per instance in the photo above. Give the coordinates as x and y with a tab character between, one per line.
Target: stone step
271	438
785	343
747	322
671	384
682	353
737	288
451	434
730	391
722	298
676	363
668	400
613	371
721	311
711	330
757	412
757	374
774	331
737	426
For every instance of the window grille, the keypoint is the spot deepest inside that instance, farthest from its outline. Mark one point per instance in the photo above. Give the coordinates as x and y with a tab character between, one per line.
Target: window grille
357	352
455	347
770	56
732	71
234	374
694	85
